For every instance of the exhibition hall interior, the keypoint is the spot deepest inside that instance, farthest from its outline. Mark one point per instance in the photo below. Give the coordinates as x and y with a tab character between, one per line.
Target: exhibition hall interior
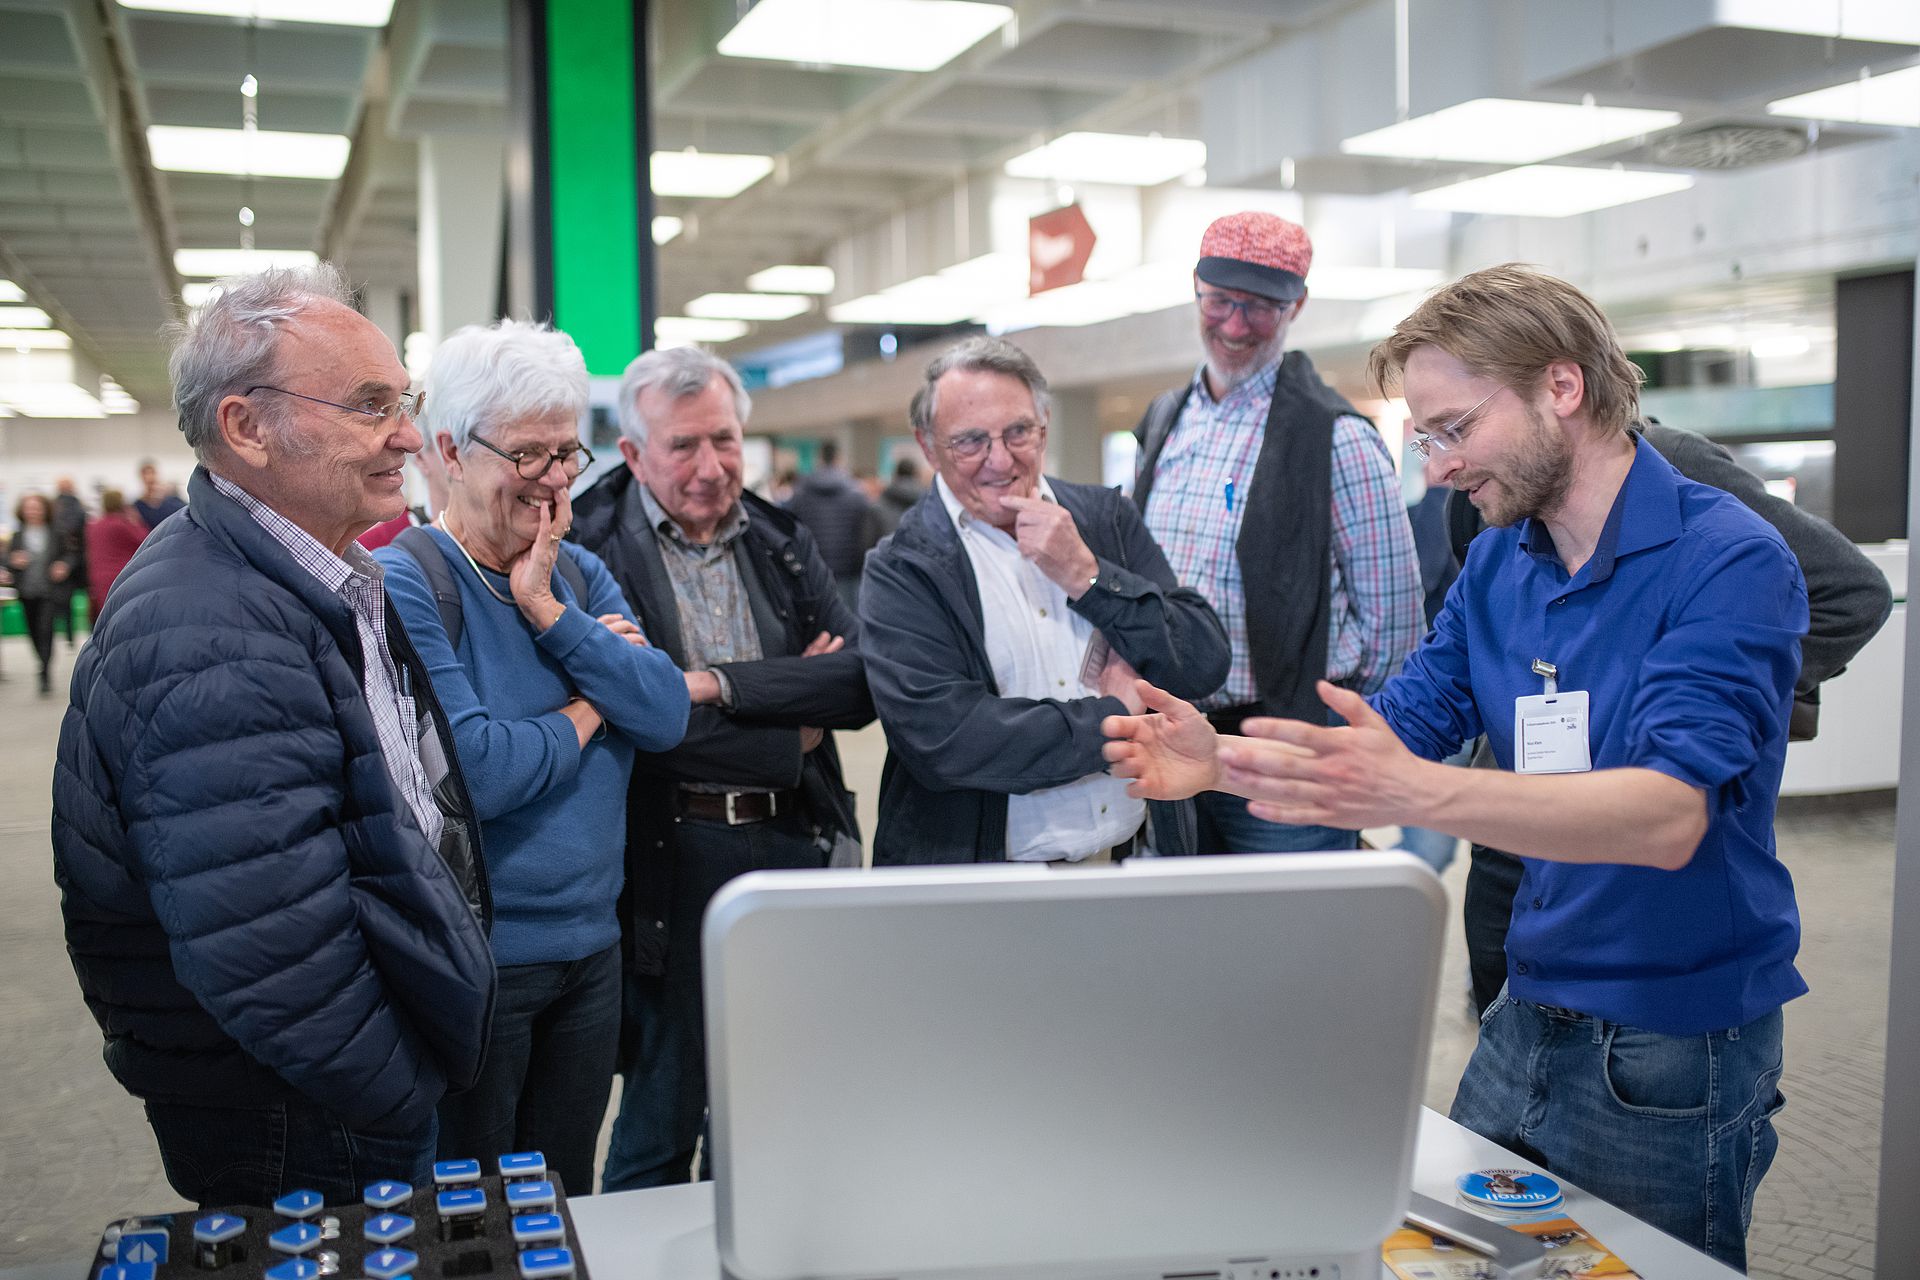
827	195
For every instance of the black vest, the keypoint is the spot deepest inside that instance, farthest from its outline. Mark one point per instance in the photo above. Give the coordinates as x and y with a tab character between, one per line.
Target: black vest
1286	537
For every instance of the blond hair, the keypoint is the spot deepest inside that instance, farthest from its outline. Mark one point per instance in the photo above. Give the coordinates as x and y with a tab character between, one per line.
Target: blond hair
1509	323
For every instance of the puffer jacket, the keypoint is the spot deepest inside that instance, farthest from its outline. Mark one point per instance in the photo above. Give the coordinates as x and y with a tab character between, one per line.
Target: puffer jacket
250	907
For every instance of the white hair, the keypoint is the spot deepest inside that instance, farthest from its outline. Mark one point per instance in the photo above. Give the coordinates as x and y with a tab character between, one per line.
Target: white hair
680	372
484	376
233	341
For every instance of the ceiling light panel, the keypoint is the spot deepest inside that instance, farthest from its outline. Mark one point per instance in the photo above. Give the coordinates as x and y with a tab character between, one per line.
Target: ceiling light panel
211	264
332	13
24	318
11	292
748	306
1121	159
34	340
666	227
1508	131
891	35
706	175
1551	191
792	279
1363	284
262	153
1892	99
680	331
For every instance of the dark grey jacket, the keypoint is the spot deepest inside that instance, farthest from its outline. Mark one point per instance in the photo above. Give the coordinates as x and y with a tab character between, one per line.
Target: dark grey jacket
956	748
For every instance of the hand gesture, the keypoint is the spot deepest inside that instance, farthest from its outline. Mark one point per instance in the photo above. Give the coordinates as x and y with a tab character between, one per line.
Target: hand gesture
57	571
811	737
624	627
1354	775
530	574
1048	536
1169	756
823	644
20	559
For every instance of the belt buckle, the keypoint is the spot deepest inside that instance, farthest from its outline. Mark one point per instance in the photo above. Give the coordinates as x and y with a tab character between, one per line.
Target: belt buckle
732	819
735	820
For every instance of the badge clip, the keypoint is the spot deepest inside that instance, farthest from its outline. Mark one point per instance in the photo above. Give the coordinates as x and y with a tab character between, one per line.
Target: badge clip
1548	673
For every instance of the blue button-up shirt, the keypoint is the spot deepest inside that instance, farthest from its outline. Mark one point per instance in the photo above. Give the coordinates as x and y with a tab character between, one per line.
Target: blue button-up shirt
1684	628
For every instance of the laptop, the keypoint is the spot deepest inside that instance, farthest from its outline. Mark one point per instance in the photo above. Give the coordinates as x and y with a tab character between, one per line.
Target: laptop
1173	1069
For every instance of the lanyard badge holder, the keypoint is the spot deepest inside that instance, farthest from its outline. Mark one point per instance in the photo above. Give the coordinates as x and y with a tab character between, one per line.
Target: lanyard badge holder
1550	728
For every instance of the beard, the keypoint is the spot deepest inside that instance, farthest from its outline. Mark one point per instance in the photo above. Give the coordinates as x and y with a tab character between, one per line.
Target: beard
1228	370
1534	475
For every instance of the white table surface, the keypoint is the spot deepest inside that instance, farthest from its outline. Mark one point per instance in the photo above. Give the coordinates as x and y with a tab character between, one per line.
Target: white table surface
667	1233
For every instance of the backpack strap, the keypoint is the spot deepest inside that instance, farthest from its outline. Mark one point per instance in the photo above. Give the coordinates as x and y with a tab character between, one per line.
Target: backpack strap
569	569
419	544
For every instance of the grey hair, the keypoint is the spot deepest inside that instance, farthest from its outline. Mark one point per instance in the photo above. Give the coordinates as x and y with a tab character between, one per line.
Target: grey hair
233	342
680	372
983	355
484	376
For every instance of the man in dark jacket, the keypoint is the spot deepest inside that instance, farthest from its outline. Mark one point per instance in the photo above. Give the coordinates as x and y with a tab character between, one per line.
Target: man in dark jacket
1006	617
272	895
70	528
828	501
1848	601
734	590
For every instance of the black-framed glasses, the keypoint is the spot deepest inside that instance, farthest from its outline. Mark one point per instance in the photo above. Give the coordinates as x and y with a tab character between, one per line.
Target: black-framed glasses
532	463
408	403
1257	312
1447	437
1018	438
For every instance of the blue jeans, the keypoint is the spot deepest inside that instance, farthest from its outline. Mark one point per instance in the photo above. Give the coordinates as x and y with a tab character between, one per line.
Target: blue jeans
549	1069
219	1156
1227	827
1676	1130
663	1107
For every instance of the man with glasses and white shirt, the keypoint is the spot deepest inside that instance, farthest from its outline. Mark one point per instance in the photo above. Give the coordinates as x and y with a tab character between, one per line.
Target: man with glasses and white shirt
260	829
1004	618
1277	501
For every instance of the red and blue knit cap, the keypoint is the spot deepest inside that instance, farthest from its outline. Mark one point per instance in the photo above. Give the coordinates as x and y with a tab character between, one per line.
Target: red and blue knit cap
1258	253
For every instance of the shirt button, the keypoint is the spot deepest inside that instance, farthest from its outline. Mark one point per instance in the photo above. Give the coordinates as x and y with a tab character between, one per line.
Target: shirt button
1538	903
1103	808
1520	968
1061	683
1043	613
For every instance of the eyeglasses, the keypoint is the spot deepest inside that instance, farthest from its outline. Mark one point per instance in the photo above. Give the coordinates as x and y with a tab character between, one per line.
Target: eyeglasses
408	403
1018	438
1447	437
533	463
1257	312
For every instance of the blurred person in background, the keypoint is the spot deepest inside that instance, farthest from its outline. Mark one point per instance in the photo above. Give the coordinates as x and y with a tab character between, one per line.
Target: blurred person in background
908	486
157	501
261	835
112	538
39	566
70	524
550	688
830	503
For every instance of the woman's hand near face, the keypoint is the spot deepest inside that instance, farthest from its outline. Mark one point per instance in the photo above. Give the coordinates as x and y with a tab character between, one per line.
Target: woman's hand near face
530	575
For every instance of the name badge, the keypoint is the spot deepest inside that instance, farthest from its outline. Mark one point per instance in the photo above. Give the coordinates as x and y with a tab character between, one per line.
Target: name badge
1550	733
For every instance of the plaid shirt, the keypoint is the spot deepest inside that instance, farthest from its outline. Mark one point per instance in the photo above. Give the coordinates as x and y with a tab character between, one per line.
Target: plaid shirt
1374	597
356	580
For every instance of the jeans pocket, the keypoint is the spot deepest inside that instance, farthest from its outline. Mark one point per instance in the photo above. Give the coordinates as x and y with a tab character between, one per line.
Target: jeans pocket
1661	1077
1494	1006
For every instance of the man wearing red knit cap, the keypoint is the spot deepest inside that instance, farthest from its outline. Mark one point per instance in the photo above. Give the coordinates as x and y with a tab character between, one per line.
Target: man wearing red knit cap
1275	499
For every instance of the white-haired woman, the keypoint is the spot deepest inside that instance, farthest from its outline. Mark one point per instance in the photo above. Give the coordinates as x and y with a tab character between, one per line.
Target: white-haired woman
550	689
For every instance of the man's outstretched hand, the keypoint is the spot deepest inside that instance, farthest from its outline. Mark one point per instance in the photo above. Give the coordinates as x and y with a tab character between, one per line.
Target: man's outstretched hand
1169	755
1354	775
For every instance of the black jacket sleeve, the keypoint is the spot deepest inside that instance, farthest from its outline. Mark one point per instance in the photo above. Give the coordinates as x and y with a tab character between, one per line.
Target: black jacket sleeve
1168	632
826	692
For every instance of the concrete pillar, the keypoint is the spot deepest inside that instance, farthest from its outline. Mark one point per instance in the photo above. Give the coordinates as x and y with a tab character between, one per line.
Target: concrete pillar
382	305
1074	436
461	188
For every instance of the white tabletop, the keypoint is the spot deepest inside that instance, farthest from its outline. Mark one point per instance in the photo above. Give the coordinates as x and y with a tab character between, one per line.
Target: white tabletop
667	1233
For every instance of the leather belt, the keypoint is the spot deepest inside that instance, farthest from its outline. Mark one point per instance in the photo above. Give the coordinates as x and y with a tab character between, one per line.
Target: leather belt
737	808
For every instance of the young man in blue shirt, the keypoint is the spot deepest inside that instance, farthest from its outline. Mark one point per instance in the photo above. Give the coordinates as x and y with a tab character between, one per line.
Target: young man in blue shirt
1628	642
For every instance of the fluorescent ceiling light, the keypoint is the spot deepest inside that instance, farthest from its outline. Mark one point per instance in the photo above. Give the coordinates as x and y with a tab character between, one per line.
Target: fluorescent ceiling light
893	35
666	227
24	318
1363	284
50	400
11	292
333	13
34	340
680	331
263	153
214	263
706	175
1151	286
1508	131
1551	191
748	306
1120	158
948	296
198	293
792	279
1893	98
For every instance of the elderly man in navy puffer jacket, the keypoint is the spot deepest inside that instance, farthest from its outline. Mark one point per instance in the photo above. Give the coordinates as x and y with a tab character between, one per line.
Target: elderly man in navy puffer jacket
273	893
